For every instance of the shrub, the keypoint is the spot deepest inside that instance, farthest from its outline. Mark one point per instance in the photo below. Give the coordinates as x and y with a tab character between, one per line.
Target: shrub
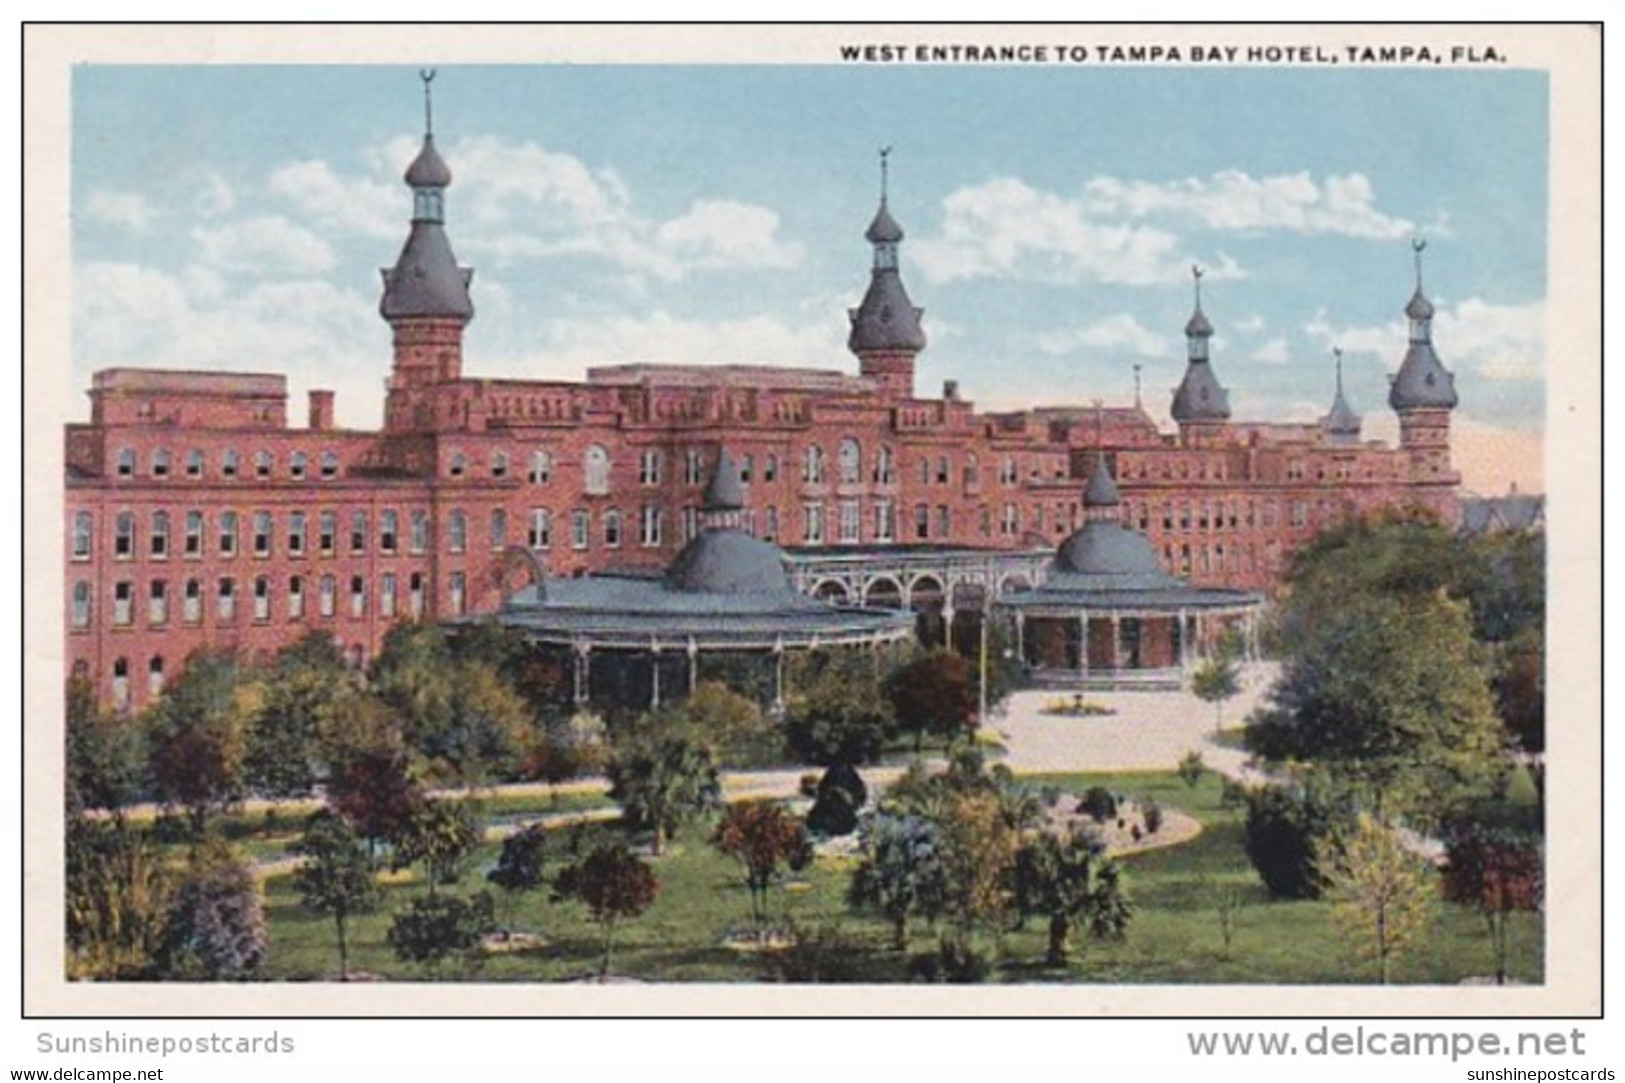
823	954
832	814
1191	769
956	962
435	928
1098	804
216	927
1050	796
1151	812
1287	829
808	784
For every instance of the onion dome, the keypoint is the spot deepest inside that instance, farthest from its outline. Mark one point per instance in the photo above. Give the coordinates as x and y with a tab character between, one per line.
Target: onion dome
1199	396
722	558
1422	382
1103	545
886	321
426	282
884	229
428	169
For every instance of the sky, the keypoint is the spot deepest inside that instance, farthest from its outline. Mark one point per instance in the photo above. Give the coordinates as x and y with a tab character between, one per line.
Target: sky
235	217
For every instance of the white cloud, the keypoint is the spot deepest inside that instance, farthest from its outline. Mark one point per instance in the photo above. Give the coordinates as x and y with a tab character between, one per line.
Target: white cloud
1496	343
266	245
721	232
1251	325
126	209
351	204
1273	352
1120	333
1234	201
216	197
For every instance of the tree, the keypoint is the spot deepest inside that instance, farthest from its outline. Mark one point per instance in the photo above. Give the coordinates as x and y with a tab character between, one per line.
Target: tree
839	796
118	893
661	782
1393	694
1288	830
336	877
732	724
1070	881
216	928
305	683
433	929
1191	769
615	885
902	873
835	712
1382	894
979	850
1498	872
105	759
522	862
197	734
762	835
1215	681
440	834
932	694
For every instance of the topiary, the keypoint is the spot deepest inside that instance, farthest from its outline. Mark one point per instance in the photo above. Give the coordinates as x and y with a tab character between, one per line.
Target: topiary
832	813
1151	812
1098	804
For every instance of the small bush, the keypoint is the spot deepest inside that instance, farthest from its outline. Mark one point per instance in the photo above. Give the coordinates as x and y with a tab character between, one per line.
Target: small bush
832	814
1191	769
1098	804
1287	829
1050	796
817	955
1232	795
1151	812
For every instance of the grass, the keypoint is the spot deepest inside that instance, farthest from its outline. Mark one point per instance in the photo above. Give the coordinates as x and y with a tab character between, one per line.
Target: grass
1175	937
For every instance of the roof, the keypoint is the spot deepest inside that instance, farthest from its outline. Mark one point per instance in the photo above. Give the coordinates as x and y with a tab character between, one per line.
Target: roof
1107	548
726	492
426	281
1422	381
1198	325
730	562
1128	598
1419	307
1199	397
884	229
886	319
428	169
1515	511
1101	492
1341	420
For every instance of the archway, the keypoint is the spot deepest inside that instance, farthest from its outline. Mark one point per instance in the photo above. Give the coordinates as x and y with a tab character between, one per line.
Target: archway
832	591
884	593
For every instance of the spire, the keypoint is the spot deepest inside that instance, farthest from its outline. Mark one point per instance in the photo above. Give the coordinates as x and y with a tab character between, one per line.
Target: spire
426	281
1199	396
1422	381
1139	404
1101	499
886	331
1341	423
726	491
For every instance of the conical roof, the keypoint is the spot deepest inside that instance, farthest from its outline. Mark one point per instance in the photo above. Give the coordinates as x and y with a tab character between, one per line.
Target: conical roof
1199	396
886	319
1101	492
723	559
426	281
726	491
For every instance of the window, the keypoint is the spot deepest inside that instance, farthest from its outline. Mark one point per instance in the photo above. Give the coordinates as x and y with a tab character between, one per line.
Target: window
262	464
296	533
228	464
296	597
389	530
298	464
457	465
693	467
457	531
851	518
327	532
194	463
358	596
326	596
596	466
358	532
1009	522
770	472
649	467
925	471
81	604
155	676
330	464
499	465
813	525
1300	513
193	542
813	471
499	528
420	531
541	467
262	599
123	603
945	521
262	533
885	521
160	535
851	461
83	531
578	529
125	463
972	472
650	531
984	521
612	529
192	601
386	595
1009	471
922	521
121	684
943	470
747	467
124	535
414	586
541	528
457	593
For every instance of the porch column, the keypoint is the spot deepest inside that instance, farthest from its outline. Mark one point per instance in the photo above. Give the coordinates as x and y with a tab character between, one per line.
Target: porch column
1021	641
1184	641
693	664
583	672
778	676
654	674
1083	642
1117	645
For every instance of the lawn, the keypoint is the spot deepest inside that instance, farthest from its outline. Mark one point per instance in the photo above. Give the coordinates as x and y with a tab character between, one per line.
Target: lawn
1175	937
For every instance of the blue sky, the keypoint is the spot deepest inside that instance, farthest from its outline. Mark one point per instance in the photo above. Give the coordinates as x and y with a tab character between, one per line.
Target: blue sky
235	217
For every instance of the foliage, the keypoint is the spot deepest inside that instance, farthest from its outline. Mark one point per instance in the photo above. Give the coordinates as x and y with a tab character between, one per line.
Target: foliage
306	681
1288	828
1098	804
336	877
442	835
662	781
762	835
372	790
902	873
614	884
197	735
835	712
1520	689
1382	894
1215	681
105	759
433	929
932	695
1191	769
1391	693
979	850
118	894
1498	872
956	961
523	860
823	954
1070	880
732	724
837	798
216	928
1151	813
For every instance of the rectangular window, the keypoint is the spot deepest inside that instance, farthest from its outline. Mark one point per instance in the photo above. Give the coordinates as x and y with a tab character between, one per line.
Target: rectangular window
192	601
83	528
296	597
813	524
884	521
458	592
612	529
770	523
81	604
691	523
158	602
650	531
296	533
578	529
386	595
693	467
945	522
541	467
327	535
649	468
541	528
123	603
1300	513
262	533
457	531
358	596
499	528
420	531
262	599
1009	522
227	599
851	519
922	522
327	596
415	594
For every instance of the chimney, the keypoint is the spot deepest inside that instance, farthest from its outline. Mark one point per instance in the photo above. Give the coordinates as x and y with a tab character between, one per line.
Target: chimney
950	390
321	410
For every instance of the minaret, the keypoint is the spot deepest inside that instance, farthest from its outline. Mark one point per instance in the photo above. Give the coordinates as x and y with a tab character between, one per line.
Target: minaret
1200	405
886	332
1423	392
425	299
1341	424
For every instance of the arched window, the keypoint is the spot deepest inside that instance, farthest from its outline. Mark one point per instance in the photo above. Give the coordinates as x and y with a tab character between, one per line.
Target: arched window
770	471
327	595
83	532
612	528
194	463
228	534
389	530
358	532
499	528
358	596
298	463
81	604
596	466
457	466
229	460
263	461
262	599
541	467
121	684
193	543
851	461
124	535
330	464
126	463
499	465
296	597
192	601
155	676
160	535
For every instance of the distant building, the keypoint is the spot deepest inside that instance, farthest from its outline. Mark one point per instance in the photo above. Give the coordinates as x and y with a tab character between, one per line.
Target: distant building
197	516
1513	513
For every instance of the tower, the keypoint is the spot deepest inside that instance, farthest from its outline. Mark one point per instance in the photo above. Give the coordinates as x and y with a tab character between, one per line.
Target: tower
886	332
1201	405
425	300
1423	392
1341	424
